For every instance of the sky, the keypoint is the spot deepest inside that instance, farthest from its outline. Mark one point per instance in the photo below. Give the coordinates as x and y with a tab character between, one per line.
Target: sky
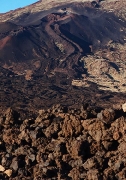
7	5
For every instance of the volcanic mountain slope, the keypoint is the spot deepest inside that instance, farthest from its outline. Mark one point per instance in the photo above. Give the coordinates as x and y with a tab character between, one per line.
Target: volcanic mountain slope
61	45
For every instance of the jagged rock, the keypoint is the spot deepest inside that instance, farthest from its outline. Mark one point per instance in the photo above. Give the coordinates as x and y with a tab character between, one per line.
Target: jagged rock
121	175
52	130
10	117
97	149
107	144
75	174
2	168
90	163
76	162
122	147
116	135
124	107
8	172
32	157
109	173
95	128
14	164
75	148
107	115
93	174
71	126
118	128
83	115
10	136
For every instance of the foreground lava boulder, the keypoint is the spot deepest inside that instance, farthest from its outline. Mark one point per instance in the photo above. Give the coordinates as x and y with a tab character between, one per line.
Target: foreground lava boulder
59	144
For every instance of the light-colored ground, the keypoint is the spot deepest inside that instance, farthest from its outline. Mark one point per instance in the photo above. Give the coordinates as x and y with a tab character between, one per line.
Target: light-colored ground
106	68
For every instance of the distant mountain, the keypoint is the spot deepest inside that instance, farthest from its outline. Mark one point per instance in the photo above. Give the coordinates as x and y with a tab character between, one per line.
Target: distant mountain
78	42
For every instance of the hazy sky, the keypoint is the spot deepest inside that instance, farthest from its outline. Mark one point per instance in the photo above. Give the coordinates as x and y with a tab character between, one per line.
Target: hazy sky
7	5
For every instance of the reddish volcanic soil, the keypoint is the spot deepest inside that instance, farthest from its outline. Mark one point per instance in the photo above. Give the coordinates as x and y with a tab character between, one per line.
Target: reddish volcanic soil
3	42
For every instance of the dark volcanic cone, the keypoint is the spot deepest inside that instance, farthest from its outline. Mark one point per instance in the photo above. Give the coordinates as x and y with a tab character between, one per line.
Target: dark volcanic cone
62	52
64	35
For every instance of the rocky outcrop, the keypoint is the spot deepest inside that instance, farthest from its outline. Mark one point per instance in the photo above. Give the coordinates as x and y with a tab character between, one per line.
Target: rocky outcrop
124	107
60	143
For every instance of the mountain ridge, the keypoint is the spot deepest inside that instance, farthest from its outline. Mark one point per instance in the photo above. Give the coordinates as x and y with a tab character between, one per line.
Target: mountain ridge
71	44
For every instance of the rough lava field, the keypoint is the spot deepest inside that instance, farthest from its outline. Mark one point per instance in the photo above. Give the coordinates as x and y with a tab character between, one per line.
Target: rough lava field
63	91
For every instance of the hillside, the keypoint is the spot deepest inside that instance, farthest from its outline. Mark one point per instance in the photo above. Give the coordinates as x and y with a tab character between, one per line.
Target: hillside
63	91
69	52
